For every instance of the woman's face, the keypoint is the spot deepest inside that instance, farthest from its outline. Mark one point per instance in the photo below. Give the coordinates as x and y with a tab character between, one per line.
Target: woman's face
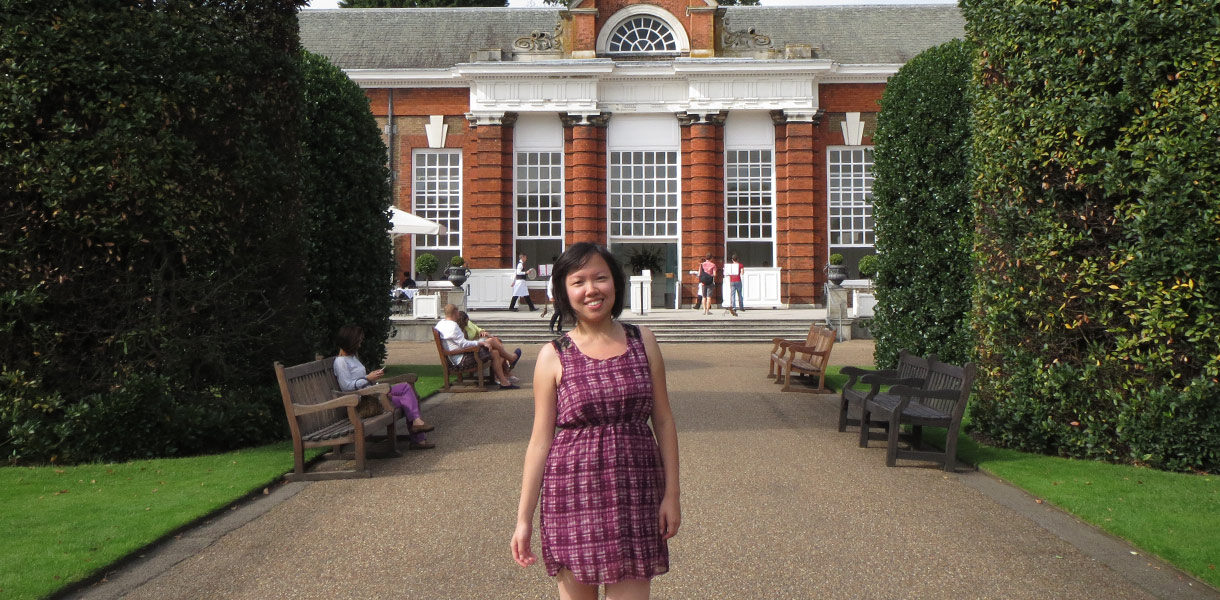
591	290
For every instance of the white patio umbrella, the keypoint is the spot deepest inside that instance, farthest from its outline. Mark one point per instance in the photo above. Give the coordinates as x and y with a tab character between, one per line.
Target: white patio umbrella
405	223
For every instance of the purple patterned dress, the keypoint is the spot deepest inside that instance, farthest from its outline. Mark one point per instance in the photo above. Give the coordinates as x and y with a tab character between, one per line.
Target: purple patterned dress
603	483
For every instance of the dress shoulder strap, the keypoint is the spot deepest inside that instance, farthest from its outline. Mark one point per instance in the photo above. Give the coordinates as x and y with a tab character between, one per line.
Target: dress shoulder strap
632	331
562	343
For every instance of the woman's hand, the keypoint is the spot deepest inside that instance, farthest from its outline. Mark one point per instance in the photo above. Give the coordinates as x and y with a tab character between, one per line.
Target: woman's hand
671	516
375	375
521	545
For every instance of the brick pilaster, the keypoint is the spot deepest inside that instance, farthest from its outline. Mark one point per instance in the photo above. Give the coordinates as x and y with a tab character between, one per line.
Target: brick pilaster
487	208
584	140
702	193
800	205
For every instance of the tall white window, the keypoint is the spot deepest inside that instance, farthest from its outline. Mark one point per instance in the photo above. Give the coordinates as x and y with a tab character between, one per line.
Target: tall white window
850	190
644	194
749	204
539	184
436	195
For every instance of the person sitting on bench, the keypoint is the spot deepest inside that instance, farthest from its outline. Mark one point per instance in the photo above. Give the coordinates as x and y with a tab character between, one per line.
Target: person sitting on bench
351	375
454	338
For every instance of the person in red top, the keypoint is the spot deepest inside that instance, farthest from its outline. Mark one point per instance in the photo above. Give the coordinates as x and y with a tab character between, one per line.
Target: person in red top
736	301
707	276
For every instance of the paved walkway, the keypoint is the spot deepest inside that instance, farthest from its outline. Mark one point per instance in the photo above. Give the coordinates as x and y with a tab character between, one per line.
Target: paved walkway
776	504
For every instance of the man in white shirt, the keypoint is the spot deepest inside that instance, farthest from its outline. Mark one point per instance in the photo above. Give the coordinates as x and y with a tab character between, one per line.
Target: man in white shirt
453	338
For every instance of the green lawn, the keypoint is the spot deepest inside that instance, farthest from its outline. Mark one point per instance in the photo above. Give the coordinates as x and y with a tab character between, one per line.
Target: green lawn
62	524
1175	516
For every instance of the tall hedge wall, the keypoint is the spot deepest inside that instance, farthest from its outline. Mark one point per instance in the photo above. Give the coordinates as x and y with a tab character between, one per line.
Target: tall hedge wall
346	194
922	210
1097	145
149	244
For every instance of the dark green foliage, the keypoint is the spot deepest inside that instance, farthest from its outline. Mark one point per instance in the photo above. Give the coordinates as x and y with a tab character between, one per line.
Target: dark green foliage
1098	159
149	268
922	210
346	192
419	3
426	264
867	266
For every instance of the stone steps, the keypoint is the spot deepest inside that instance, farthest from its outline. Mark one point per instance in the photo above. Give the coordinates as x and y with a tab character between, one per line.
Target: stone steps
686	330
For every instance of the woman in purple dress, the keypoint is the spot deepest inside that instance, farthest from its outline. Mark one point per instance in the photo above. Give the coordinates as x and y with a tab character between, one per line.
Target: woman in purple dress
608	483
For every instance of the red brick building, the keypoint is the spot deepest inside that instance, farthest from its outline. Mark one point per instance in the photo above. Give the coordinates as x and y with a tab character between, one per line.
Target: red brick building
667	130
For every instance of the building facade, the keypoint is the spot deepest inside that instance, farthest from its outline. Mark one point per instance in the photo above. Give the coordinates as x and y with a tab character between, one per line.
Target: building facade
667	130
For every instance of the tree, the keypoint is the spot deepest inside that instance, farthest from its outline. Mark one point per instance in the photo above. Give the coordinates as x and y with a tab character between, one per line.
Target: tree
1097	151
346	190
149	256
419	3
922	208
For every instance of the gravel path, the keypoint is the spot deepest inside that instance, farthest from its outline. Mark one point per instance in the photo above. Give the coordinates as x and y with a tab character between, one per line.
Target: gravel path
776	504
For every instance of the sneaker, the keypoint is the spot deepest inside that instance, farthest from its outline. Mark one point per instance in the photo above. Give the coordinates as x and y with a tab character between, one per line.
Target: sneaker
513	379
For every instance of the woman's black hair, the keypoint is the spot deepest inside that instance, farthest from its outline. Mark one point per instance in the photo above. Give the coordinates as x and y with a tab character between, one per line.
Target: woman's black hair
573	259
349	338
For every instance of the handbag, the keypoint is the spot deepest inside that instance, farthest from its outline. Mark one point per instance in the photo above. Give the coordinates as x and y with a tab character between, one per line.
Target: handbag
705	278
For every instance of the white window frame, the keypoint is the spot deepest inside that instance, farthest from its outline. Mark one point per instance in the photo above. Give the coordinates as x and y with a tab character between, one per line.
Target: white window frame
759	181
620	18
633	189
850	196
448	214
552	195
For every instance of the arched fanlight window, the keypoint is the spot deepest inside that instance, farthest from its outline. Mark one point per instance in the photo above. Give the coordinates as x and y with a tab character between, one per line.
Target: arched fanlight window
643	34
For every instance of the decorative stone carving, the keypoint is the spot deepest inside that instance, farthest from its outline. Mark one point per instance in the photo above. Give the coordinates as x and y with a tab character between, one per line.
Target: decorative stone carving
747	38
541	41
573	119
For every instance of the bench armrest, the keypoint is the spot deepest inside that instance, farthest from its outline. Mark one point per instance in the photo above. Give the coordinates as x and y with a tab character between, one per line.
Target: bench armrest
349	400
799	349
908	393
457	351
890	378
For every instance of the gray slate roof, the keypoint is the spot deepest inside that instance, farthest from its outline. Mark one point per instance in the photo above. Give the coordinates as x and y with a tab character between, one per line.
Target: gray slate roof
421	38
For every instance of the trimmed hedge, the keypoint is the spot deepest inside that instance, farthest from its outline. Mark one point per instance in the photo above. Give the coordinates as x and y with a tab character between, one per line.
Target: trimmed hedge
346	188
922	209
149	248
1098	155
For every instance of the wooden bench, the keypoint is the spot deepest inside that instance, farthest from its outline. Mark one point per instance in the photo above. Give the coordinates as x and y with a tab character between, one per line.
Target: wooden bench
807	360
319	415
938	401
779	350
479	370
911	371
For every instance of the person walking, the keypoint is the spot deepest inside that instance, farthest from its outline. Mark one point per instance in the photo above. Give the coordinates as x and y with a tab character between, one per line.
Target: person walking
707	277
556	318
608	484
520	290
733	270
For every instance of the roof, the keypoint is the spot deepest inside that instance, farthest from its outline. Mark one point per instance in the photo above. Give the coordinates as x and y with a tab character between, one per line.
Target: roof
423	38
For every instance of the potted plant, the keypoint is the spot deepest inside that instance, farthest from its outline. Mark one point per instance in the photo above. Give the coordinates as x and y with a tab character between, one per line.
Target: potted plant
426	264
457	271
868	266
836	271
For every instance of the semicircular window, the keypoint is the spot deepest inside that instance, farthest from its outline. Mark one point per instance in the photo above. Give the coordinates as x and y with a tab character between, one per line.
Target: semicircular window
642	34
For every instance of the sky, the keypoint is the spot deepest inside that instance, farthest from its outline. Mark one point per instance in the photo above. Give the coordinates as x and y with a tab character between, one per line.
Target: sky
335	3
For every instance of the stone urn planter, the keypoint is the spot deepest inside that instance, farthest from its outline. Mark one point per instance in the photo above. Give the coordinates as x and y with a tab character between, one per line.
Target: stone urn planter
836	271
457	275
